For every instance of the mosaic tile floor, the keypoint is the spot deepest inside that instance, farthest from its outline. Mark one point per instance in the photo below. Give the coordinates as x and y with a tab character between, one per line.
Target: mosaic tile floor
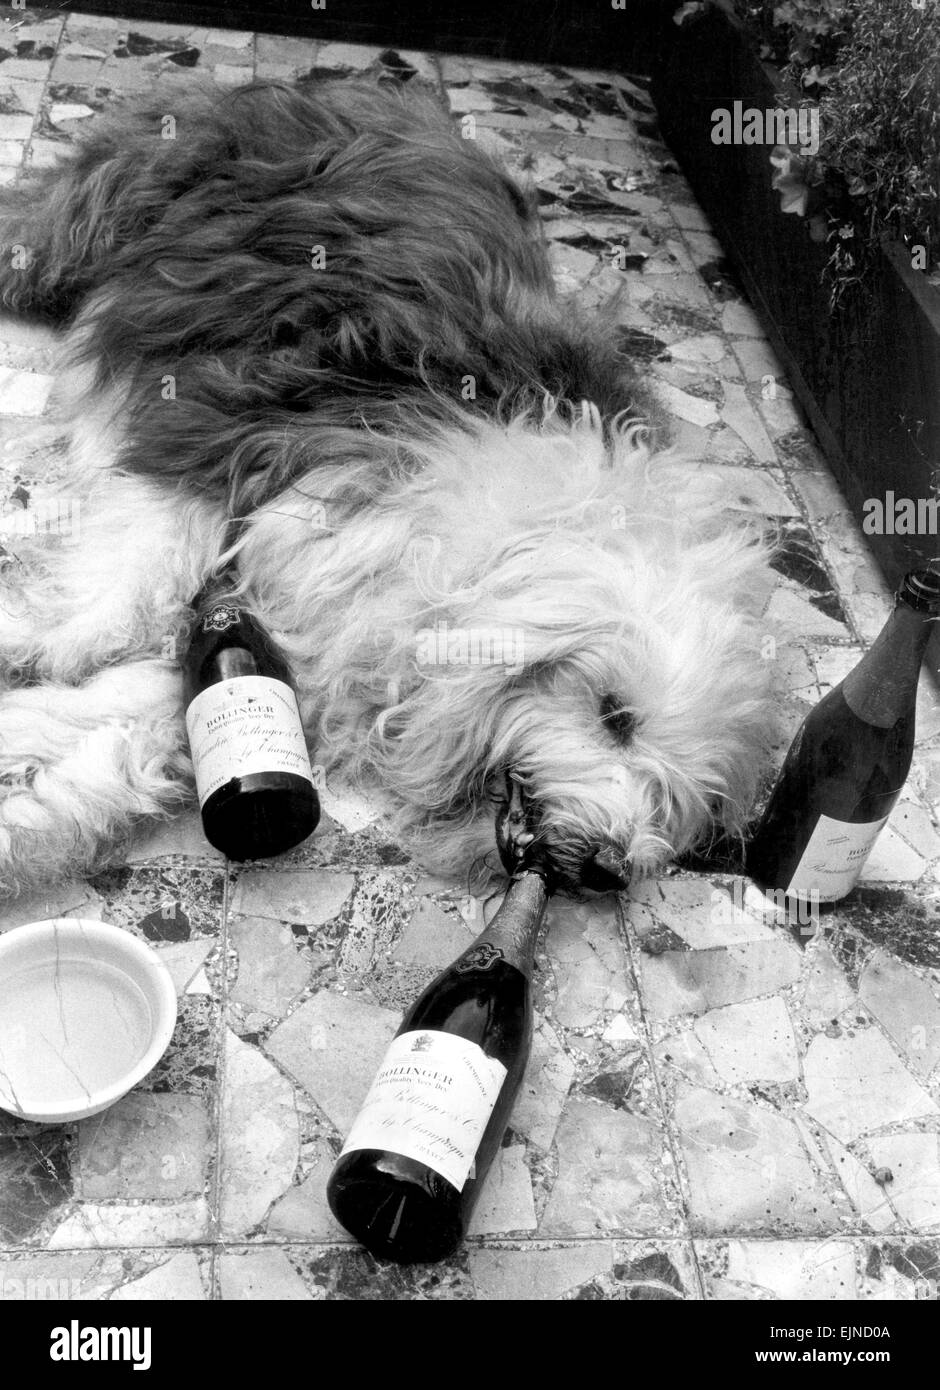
711	1109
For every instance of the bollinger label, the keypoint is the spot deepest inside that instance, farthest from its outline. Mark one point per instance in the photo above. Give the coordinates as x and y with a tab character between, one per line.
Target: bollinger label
431	1100
833	858
244	725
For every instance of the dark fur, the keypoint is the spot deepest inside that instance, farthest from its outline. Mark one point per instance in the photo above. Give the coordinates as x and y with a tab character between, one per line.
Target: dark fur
191	256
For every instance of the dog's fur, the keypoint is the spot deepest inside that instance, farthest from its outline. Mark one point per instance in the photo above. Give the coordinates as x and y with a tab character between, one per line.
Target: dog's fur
408	445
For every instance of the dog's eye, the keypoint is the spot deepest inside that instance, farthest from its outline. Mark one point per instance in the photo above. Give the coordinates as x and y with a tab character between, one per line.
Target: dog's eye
620	721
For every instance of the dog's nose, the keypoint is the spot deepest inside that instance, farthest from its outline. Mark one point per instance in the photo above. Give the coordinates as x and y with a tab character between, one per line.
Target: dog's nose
606	872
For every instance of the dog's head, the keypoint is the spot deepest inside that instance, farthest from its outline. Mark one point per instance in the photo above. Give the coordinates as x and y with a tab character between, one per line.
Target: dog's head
554	603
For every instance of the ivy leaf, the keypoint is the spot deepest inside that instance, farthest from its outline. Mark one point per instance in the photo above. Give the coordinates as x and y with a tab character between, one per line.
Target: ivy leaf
688	11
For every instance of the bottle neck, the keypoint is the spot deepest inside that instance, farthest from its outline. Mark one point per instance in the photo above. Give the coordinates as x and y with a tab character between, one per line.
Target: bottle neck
514	931
883	686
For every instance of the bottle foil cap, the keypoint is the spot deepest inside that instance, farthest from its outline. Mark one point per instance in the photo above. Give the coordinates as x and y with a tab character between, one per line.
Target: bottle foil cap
920	589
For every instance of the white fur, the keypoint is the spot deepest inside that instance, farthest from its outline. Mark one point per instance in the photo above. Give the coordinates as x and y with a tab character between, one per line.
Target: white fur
617	572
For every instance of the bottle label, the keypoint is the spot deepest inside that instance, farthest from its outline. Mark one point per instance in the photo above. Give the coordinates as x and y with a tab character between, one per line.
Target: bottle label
221	617
431	1101
833	859
244	725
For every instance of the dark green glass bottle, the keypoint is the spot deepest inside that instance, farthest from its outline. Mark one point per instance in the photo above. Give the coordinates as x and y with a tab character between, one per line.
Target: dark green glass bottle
253	775
848	763
419	1150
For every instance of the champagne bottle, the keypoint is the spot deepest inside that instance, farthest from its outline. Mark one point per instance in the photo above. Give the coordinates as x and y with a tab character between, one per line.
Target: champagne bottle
846	767
253	775
416	1157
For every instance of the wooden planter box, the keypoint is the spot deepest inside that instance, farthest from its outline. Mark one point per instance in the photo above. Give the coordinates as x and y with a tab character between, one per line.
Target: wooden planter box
868	374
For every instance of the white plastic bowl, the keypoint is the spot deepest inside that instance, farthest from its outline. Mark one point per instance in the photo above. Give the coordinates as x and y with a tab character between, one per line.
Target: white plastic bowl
86	1011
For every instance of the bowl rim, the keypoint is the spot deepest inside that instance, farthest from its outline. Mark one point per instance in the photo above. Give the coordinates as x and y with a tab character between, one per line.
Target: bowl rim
83	929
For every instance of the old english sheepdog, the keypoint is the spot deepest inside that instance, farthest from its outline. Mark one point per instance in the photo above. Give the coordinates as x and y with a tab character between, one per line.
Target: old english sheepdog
313	338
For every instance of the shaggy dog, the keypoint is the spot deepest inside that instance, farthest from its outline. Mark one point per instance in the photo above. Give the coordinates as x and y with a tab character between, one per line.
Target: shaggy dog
313	336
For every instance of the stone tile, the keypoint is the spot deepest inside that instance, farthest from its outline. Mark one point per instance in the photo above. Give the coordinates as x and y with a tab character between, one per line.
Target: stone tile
130	1224
892	861
915	825
750	1042
184	960
608	1174
906	1007
684	1053
583	944
748	490
695	409
376	918
352	1274
701	912
306	896
333	1045
432	937
146	1146
914	1189
259	1138
354	56
792	616
826	992
783	417
867	1197
794	671
759	361
69	899
536	1274
35	1179
901	1269
183	836
176	1279
821	1270
286	58
739	415
79	1275
168	903
506	1202
260	1274
271	970
747	1169
303	1213
856	1082
692	982
739	320
544	1090
14	128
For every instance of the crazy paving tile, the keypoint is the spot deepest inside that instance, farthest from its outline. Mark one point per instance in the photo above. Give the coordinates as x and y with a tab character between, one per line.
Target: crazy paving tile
332	1045
259	1138
856	1082
913	1187
609	1174
779	1269
691	982
150	1146
868	1197
906	1007
535	1273
584	949
506	1203
307	896
267	1274
748	1169
179	1279
750	1042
